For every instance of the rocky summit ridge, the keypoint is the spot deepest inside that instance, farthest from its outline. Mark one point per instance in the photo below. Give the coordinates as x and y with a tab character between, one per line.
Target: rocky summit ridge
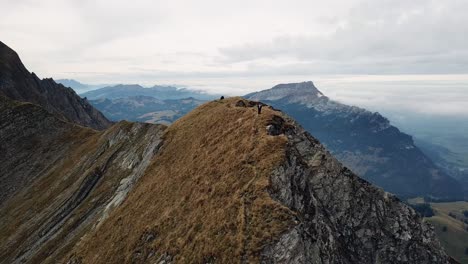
221	185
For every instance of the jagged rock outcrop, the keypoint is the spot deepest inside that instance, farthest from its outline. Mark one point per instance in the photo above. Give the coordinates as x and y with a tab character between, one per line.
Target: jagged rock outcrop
340	217
17	83
366	142
59	180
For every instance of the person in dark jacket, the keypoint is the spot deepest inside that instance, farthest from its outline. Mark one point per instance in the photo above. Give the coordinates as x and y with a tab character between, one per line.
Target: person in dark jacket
259	107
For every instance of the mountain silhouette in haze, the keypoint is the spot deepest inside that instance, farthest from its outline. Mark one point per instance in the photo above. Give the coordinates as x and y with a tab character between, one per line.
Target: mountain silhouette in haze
157	91
146	108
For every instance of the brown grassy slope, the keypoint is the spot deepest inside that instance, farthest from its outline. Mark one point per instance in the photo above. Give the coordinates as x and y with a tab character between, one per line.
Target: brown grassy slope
203	198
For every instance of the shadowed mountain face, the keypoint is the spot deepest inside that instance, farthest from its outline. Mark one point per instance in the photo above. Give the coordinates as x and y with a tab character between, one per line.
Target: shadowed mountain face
363	141
17	83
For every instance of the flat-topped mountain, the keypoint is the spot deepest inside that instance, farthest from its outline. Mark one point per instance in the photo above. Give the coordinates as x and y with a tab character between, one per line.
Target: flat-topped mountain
17	83
366	142
303	93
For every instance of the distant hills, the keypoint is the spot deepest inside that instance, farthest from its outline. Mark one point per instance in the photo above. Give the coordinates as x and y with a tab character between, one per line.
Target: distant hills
75	85
157	104
364	141
146	108
157	91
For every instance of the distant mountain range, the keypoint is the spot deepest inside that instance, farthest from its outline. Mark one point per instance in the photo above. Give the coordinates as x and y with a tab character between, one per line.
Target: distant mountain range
364	141
77	86
145	108
157	91
158	104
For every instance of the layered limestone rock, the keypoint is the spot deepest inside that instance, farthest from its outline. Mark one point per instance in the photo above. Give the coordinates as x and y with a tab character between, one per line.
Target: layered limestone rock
59	180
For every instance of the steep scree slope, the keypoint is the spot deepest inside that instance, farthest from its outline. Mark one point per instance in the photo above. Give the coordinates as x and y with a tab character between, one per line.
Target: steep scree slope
231	186
17	83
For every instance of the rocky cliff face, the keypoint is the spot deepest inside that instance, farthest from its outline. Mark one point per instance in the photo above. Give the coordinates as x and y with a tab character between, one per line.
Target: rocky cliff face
17	83
366	142
341	218
59	180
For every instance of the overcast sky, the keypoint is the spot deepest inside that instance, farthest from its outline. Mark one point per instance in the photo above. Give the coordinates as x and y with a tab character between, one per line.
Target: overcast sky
358	51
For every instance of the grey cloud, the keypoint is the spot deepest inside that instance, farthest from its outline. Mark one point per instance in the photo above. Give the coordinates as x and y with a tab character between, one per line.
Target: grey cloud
384	37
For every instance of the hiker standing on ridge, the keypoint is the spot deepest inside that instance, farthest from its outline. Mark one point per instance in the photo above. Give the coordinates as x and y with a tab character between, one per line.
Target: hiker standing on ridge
259	107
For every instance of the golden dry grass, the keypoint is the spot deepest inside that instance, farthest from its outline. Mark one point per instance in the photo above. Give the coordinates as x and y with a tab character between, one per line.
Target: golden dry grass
205	195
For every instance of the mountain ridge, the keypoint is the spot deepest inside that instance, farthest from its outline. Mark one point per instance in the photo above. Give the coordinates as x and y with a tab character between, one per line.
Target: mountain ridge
146	108
270	182
364	141
221	184
17	83
157	91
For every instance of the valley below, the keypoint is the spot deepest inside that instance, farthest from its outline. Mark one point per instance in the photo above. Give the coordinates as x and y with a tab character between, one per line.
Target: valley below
450	221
